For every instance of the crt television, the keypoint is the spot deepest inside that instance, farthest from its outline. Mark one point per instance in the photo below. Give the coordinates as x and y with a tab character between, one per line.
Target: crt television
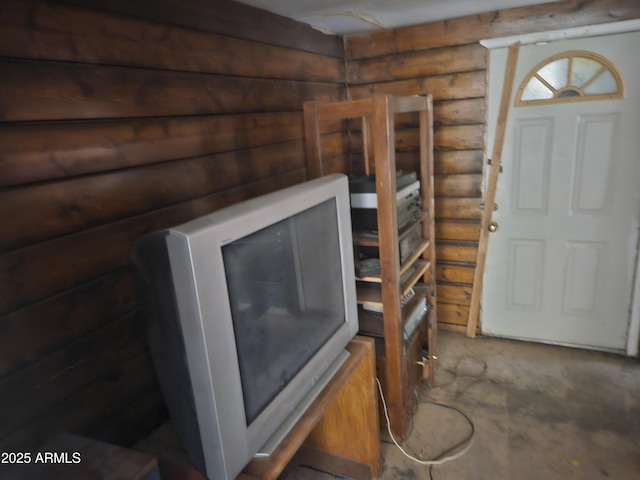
249	311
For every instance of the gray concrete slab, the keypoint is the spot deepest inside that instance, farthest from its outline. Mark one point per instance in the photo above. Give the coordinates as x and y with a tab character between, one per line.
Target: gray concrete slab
540	411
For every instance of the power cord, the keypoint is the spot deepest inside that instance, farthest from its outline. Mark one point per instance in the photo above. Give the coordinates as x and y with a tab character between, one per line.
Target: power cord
445	456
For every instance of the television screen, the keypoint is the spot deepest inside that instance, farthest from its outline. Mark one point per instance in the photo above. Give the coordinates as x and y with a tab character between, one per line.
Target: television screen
285	292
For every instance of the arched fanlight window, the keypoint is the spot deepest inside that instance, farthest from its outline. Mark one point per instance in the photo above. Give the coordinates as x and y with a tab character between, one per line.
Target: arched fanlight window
570	77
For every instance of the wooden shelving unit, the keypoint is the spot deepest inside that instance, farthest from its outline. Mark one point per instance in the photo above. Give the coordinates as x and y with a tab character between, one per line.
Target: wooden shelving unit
400	356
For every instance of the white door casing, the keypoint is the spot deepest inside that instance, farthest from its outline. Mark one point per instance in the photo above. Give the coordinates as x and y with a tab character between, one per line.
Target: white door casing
560	268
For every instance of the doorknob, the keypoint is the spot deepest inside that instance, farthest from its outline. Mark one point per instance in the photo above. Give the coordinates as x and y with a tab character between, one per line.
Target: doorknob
493	226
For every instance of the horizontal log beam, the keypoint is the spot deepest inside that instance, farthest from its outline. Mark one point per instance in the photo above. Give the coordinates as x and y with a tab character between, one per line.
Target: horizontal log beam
92	406
454	294
40	152
459	230
458	208
463	185
33	273
452	273
452	315
457	252
442	87
503	23
43	211
224	17
56	32
401	66
34	390
31	333
458	162
56	91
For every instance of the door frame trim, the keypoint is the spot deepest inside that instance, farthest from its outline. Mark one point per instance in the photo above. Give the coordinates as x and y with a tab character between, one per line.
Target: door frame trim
566	34
633	335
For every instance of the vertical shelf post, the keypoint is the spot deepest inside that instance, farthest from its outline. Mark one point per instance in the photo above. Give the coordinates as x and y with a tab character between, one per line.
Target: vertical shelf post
384	157
427	175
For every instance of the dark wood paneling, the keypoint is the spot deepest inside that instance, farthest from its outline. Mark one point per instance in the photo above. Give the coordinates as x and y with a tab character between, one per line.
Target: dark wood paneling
472	28
127	424
446	162
454	294
92	407
458	208
464	185
111	127
417	64
458	161
44	384
442	87
456	137
37	30
459	252
40	329
54	91
518	21
457	230
225	17
452	314
38	152
459	112
54	209
459	137
455	273
33	273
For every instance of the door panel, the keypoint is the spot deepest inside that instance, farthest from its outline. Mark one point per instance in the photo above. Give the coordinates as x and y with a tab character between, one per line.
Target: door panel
593	165
532	154
560	267
525	275
584	270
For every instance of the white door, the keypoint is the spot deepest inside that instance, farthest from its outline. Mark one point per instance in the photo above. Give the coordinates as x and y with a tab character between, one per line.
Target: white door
560	267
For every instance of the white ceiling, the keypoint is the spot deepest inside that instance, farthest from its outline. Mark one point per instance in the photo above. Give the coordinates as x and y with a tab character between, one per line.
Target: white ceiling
346	17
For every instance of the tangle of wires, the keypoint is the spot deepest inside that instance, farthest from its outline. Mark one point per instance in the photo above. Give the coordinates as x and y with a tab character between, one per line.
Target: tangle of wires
448	455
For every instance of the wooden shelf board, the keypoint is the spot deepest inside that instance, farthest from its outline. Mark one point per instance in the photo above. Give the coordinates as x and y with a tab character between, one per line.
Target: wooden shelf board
414	256
373	296
423	265
365	239
369	296
405	266
369	279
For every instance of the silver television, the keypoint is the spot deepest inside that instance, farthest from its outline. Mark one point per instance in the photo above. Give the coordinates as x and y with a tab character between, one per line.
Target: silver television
249	311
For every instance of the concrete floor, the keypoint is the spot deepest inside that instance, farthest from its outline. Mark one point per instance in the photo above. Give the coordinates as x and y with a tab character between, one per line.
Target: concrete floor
540	412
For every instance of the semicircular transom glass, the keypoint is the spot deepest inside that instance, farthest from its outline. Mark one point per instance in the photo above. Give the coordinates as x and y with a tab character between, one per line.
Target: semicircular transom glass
570	77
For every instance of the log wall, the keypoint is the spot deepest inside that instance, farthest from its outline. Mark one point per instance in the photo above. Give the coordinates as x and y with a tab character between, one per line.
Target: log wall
445	59
115	121
120	117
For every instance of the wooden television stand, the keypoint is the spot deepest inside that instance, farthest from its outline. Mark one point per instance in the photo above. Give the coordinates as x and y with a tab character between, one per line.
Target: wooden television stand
339	433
